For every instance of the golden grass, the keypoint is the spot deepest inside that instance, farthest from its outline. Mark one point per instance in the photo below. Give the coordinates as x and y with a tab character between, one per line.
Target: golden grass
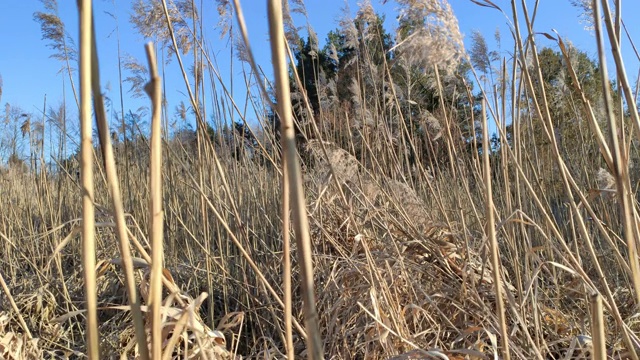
473	255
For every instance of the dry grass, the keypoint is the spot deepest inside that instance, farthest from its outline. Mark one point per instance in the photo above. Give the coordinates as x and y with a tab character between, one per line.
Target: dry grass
525	252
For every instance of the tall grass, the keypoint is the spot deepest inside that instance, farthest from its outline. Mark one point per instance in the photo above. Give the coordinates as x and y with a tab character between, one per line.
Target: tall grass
522	251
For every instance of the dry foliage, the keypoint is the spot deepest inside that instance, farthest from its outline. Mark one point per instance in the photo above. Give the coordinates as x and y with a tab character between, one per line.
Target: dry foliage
395	197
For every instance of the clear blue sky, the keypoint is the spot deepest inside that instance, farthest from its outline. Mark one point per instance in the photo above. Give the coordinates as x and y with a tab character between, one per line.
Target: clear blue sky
29	73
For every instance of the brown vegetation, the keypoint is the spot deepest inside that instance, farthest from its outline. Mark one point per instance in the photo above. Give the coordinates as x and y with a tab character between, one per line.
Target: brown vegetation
400	177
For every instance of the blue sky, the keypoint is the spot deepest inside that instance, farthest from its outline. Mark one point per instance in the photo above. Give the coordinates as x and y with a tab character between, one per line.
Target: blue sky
29	73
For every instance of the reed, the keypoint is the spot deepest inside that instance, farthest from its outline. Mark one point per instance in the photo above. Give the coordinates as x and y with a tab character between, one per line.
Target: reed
367	213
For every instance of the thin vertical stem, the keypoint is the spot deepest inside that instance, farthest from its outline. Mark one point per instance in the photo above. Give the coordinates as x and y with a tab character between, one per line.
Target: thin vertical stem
300	220
491	235
154	91
86	166
597	328
620	161
14	306
118	207
286	265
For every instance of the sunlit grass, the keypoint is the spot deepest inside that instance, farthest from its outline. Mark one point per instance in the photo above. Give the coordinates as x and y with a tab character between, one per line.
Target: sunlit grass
425	236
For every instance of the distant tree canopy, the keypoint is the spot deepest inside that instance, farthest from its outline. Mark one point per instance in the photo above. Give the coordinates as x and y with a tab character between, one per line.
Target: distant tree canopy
559	85
361	83
314	69
405	93
567	111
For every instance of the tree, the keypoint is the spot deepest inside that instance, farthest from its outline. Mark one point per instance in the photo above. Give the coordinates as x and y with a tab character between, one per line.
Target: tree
314	68
12	135
361	39
567	113
361	74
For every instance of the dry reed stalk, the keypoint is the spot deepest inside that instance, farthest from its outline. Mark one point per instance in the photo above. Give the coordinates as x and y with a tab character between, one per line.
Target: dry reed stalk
118	208
532	213
507	182
154	91
491	236
569	184
567	179
450	149
598	327
201	133
14	306
300	220
621	161
245	254
86	165
522	177
286	265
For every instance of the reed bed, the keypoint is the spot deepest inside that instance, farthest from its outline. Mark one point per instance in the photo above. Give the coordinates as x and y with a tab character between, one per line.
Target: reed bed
365	228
